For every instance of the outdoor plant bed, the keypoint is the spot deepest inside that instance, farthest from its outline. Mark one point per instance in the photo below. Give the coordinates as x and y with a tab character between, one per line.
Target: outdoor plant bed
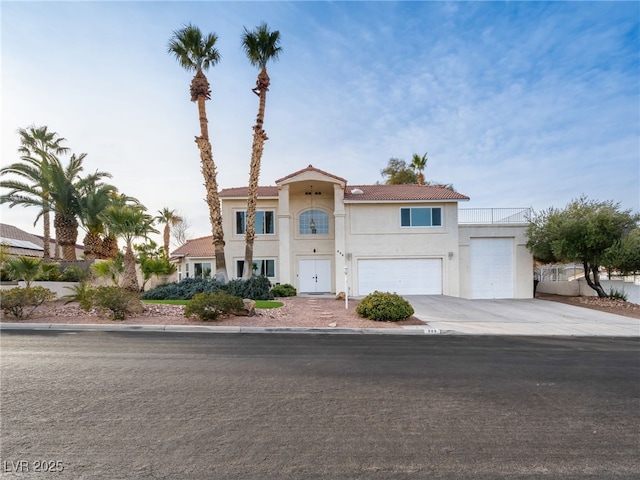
296	312
609	305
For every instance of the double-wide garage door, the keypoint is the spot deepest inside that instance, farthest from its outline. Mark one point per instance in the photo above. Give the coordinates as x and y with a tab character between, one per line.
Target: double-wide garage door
404	276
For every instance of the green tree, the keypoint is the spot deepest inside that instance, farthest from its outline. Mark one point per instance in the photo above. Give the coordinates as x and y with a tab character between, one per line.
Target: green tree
581	232
418	164
94	199
129	222
196	52
36	144
398	172
67	189
624	255
261	46
169	218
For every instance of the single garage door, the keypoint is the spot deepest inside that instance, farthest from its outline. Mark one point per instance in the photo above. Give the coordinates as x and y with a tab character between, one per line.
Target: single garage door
404	276
492	274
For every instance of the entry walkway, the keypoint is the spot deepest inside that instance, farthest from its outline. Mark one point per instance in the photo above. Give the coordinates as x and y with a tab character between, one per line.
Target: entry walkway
452	315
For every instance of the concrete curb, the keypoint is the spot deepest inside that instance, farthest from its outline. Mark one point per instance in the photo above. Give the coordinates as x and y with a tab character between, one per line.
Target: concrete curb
413	330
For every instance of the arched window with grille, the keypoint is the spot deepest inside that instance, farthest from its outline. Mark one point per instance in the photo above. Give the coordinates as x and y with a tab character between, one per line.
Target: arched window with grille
314	222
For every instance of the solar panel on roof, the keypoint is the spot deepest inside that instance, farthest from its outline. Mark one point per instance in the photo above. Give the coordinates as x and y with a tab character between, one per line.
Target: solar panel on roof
12	242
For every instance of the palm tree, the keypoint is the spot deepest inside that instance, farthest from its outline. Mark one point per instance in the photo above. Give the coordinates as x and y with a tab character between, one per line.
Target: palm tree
261	46
35	146
169	218
94	199
129	222
25	269
418	163
197	53
67	187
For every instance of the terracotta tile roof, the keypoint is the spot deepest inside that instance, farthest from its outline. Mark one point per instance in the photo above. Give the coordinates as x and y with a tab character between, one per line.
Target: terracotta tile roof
241	192
371	193
311	168
198	247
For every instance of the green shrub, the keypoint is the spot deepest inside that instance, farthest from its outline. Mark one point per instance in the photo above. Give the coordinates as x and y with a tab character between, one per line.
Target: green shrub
81	293
284	290
384	307
118	301
255	288
618	294
209	306
73	273
183	290
49	272
15	300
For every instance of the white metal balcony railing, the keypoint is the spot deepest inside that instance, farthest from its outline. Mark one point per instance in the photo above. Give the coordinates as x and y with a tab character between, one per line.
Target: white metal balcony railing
494	216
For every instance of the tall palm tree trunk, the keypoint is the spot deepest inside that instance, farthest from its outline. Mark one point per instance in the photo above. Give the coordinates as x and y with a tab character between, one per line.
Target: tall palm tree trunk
259	137
46	237
130	278
66	235
200	91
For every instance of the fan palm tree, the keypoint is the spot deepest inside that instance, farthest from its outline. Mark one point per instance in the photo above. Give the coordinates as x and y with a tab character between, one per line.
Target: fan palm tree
94	199
169	218
419	163
196	53
129	222
261	46
67	187
36	143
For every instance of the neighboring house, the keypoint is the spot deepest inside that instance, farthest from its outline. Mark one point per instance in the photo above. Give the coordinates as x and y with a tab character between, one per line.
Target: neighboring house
321	235
21	243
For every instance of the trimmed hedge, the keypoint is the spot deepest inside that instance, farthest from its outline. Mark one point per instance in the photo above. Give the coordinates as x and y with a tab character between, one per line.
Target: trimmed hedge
255	288
384	307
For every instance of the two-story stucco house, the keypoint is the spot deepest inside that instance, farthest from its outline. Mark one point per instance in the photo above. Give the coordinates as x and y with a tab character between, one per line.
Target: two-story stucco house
320	234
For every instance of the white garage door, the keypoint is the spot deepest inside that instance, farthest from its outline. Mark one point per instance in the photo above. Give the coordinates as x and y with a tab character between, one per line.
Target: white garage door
404	276
492	274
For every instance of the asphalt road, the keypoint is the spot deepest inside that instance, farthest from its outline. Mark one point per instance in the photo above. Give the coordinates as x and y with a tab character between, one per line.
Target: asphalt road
109	405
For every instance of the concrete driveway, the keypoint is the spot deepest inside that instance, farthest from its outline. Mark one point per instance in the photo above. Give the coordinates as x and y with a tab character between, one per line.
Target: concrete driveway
518	317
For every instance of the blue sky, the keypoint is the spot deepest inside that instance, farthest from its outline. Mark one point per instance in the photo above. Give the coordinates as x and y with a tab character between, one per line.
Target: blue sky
517	104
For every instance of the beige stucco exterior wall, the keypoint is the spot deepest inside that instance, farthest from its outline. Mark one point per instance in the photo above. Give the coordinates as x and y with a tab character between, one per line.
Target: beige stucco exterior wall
374	231
523	259
264	246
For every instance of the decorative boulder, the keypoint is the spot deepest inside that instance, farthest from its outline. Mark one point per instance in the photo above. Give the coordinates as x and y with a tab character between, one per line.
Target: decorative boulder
249	308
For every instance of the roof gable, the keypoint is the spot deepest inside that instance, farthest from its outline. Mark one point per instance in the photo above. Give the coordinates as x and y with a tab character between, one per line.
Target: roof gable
310	173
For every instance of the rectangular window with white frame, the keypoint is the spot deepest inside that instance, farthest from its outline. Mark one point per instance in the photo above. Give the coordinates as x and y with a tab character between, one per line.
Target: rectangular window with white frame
261	266
265	222
421	217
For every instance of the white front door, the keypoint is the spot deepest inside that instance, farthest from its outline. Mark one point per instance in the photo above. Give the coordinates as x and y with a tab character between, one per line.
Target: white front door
314	276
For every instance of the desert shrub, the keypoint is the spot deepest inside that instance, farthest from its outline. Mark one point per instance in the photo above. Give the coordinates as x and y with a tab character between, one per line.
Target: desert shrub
384	307
15	300
284	290
117	301
209	306
255	288
81	293
618	294
183	290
